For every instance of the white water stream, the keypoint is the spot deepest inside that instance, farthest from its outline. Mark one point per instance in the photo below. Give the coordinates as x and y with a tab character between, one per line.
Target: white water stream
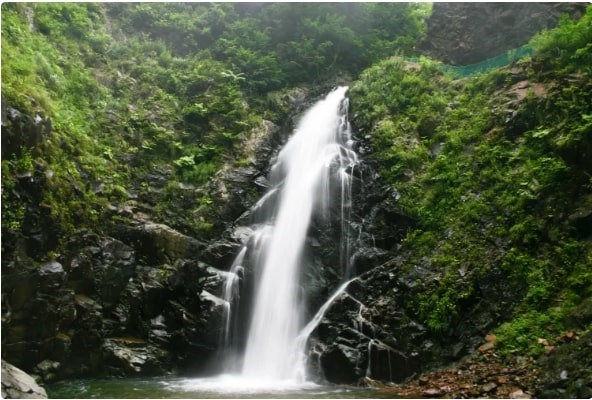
304	167
317	156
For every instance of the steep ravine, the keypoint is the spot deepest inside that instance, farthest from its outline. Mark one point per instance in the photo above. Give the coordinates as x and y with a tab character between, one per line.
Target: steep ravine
141	297
138	303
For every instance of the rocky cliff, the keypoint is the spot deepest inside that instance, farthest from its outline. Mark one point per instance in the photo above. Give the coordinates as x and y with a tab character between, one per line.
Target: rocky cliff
467	33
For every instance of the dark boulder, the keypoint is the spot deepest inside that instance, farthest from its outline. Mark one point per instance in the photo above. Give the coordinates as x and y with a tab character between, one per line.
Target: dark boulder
86	339
581	220
390	365
338	364
51	276
365	334
104	268
132	356
47	370
36	308
221	253
366	258
20	131
157	244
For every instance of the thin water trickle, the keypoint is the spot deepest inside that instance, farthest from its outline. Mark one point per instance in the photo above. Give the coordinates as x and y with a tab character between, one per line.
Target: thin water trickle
232	294
314	322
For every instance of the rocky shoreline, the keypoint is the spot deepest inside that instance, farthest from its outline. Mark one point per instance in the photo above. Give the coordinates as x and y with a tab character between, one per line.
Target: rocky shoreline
487	374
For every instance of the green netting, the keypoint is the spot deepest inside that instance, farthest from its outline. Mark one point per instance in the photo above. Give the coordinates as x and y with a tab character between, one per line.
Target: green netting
491	63
502	60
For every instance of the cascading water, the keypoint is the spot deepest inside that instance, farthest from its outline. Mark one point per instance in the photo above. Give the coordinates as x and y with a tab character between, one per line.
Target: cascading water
316	164
317	156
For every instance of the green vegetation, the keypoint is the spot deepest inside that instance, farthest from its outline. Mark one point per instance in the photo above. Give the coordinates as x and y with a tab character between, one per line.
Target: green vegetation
165	89
568	48
278	45
149	99
491	189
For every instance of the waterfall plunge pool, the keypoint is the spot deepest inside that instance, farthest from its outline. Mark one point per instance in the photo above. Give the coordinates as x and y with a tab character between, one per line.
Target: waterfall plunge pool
219	387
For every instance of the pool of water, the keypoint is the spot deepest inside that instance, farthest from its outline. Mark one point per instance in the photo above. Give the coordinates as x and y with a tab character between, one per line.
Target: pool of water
226	387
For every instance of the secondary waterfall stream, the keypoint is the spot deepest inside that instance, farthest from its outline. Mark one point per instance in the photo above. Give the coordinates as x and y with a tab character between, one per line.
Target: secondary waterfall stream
317	157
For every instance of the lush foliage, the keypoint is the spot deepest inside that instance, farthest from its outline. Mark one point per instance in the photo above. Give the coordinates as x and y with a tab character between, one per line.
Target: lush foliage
494	190
568	47
149	100
275	45
47	75
140	92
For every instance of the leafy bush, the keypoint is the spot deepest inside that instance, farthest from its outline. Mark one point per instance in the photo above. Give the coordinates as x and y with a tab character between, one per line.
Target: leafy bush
569	46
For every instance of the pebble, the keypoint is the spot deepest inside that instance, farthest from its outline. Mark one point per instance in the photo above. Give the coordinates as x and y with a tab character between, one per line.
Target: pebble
488	387
432	393
486	347
519	394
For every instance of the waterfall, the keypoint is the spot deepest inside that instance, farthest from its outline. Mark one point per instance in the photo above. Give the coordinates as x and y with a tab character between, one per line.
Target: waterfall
317	156
232	295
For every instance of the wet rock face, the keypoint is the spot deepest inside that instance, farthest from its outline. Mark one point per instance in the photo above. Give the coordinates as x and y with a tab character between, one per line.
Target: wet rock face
100	311
158	243
236	188
336	362
21	130
361	337
365	331
389	365
36	306
38	234
466	33
133	357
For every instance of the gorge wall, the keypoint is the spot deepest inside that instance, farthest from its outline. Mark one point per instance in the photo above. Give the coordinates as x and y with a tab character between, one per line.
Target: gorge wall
142	297
467	33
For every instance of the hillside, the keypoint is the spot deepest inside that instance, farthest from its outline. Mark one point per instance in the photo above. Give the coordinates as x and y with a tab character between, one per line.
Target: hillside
136	138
